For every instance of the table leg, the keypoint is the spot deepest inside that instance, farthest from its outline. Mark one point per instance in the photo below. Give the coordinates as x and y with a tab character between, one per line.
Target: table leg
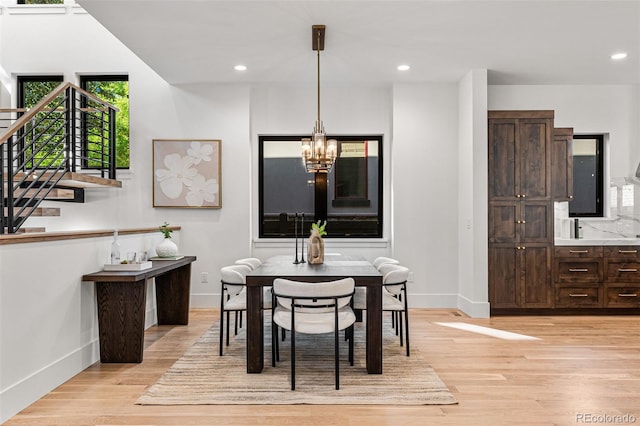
255	330
121	312
374	329
172	296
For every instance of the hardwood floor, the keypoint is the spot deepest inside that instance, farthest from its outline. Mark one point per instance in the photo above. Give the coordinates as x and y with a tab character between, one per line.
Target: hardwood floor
583	367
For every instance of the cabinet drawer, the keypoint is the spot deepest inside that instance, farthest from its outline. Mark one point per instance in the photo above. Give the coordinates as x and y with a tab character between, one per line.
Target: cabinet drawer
578	271
625	252
578	251
578	297
623	297
622	271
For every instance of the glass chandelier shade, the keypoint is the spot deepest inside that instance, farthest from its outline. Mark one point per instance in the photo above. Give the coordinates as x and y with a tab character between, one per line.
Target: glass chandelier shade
319	153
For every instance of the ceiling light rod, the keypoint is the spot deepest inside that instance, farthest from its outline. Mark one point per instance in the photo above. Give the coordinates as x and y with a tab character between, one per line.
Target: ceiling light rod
318	153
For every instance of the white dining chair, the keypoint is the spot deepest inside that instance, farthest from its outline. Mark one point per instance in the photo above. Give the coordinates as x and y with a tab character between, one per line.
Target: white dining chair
312	308
394	299
233	298
252	262
379	261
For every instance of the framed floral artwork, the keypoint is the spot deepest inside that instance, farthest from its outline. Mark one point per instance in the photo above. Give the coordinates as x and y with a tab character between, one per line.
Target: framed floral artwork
187	173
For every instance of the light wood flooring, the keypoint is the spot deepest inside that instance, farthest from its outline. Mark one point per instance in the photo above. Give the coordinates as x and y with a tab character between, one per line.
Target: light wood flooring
583	367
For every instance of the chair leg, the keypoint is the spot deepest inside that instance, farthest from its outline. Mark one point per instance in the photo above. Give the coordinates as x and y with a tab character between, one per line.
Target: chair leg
351	337
293	358
399	314
337	357
228	319
274	342
235	324
406	323
221	328
240	319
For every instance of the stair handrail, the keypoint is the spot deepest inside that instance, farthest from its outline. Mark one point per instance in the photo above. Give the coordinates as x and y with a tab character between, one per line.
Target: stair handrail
31	112
19	179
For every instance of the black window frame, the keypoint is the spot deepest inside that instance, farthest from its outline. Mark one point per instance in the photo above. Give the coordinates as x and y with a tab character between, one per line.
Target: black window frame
84	79
321	193
598	211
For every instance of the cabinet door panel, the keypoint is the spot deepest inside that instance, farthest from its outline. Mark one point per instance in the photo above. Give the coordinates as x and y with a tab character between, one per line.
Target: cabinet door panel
562	164
504	277
502	159
502	222
534	146
536	288
538	222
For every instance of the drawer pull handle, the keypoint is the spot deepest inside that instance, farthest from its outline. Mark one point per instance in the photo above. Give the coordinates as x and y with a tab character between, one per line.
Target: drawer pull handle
627	295
578	251
578	270
578	295
627	251
628	270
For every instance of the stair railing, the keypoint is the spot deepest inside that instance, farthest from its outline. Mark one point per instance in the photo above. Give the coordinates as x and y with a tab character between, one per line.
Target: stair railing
69	130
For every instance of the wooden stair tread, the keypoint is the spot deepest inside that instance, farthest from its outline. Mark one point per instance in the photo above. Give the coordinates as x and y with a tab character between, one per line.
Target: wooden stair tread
38	211
78	180
54	194
28	230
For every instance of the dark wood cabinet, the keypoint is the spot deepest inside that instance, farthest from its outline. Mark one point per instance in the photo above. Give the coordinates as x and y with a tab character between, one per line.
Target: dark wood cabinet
520	154
520	276
520	209
577	275
520	221
562	164
597	277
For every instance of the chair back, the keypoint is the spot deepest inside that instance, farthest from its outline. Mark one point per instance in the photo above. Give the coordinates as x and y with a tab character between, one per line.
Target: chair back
252	262
379	261
234	274
313	297
394	277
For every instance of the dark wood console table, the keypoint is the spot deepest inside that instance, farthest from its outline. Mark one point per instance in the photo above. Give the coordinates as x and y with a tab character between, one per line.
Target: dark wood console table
121	301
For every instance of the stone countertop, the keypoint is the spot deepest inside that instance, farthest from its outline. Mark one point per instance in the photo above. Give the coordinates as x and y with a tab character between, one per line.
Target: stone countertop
597	242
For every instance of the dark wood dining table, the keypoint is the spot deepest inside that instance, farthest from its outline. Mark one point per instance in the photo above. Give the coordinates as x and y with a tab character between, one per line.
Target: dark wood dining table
334	267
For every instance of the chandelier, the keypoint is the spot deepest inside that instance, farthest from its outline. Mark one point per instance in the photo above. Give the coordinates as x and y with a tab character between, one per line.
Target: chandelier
318	153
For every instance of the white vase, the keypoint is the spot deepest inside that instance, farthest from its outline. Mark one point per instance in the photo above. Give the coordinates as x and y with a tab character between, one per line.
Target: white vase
166	248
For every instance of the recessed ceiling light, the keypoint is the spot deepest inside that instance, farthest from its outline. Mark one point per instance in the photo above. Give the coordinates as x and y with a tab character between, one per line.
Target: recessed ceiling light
618	56
404	67
240	68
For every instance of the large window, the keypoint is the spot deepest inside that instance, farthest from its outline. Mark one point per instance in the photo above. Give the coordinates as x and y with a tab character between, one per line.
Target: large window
44	135
115	90
349	198
588	176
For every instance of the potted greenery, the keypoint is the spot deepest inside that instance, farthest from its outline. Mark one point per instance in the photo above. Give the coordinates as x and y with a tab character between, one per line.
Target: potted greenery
166	248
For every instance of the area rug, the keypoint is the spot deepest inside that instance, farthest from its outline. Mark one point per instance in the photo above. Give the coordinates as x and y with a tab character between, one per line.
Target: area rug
201	376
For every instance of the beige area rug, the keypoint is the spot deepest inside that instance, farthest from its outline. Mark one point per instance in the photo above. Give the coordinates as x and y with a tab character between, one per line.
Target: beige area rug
201	376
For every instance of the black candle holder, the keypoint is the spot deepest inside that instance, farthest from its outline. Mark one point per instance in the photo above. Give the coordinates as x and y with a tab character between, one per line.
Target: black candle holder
302	239
295	232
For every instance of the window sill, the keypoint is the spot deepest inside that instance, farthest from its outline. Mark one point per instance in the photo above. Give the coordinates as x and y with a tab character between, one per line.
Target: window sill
328	242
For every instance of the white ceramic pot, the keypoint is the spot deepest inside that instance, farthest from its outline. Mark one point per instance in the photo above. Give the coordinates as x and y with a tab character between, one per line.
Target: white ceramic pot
166	248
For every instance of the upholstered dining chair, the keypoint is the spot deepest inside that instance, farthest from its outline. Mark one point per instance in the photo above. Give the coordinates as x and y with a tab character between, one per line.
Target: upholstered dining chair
233	297
252	262
382	260
394	299
313	308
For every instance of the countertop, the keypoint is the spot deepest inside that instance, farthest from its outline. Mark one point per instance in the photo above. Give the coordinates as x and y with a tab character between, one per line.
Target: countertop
595	242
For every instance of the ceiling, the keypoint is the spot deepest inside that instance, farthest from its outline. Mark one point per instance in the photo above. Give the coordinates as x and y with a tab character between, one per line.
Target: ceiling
517	41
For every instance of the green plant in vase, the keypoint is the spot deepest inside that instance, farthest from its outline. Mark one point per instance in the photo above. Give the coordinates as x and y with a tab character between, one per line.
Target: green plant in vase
166	248
319	227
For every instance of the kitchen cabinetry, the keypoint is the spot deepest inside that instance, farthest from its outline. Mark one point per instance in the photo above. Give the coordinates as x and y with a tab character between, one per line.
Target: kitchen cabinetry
520	209
562	164
578	275
597	276
622	276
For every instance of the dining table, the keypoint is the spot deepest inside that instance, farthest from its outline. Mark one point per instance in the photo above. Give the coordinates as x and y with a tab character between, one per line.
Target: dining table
334	267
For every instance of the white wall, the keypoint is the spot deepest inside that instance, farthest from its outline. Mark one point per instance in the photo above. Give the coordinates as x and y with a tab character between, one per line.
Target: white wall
424	177
472	189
